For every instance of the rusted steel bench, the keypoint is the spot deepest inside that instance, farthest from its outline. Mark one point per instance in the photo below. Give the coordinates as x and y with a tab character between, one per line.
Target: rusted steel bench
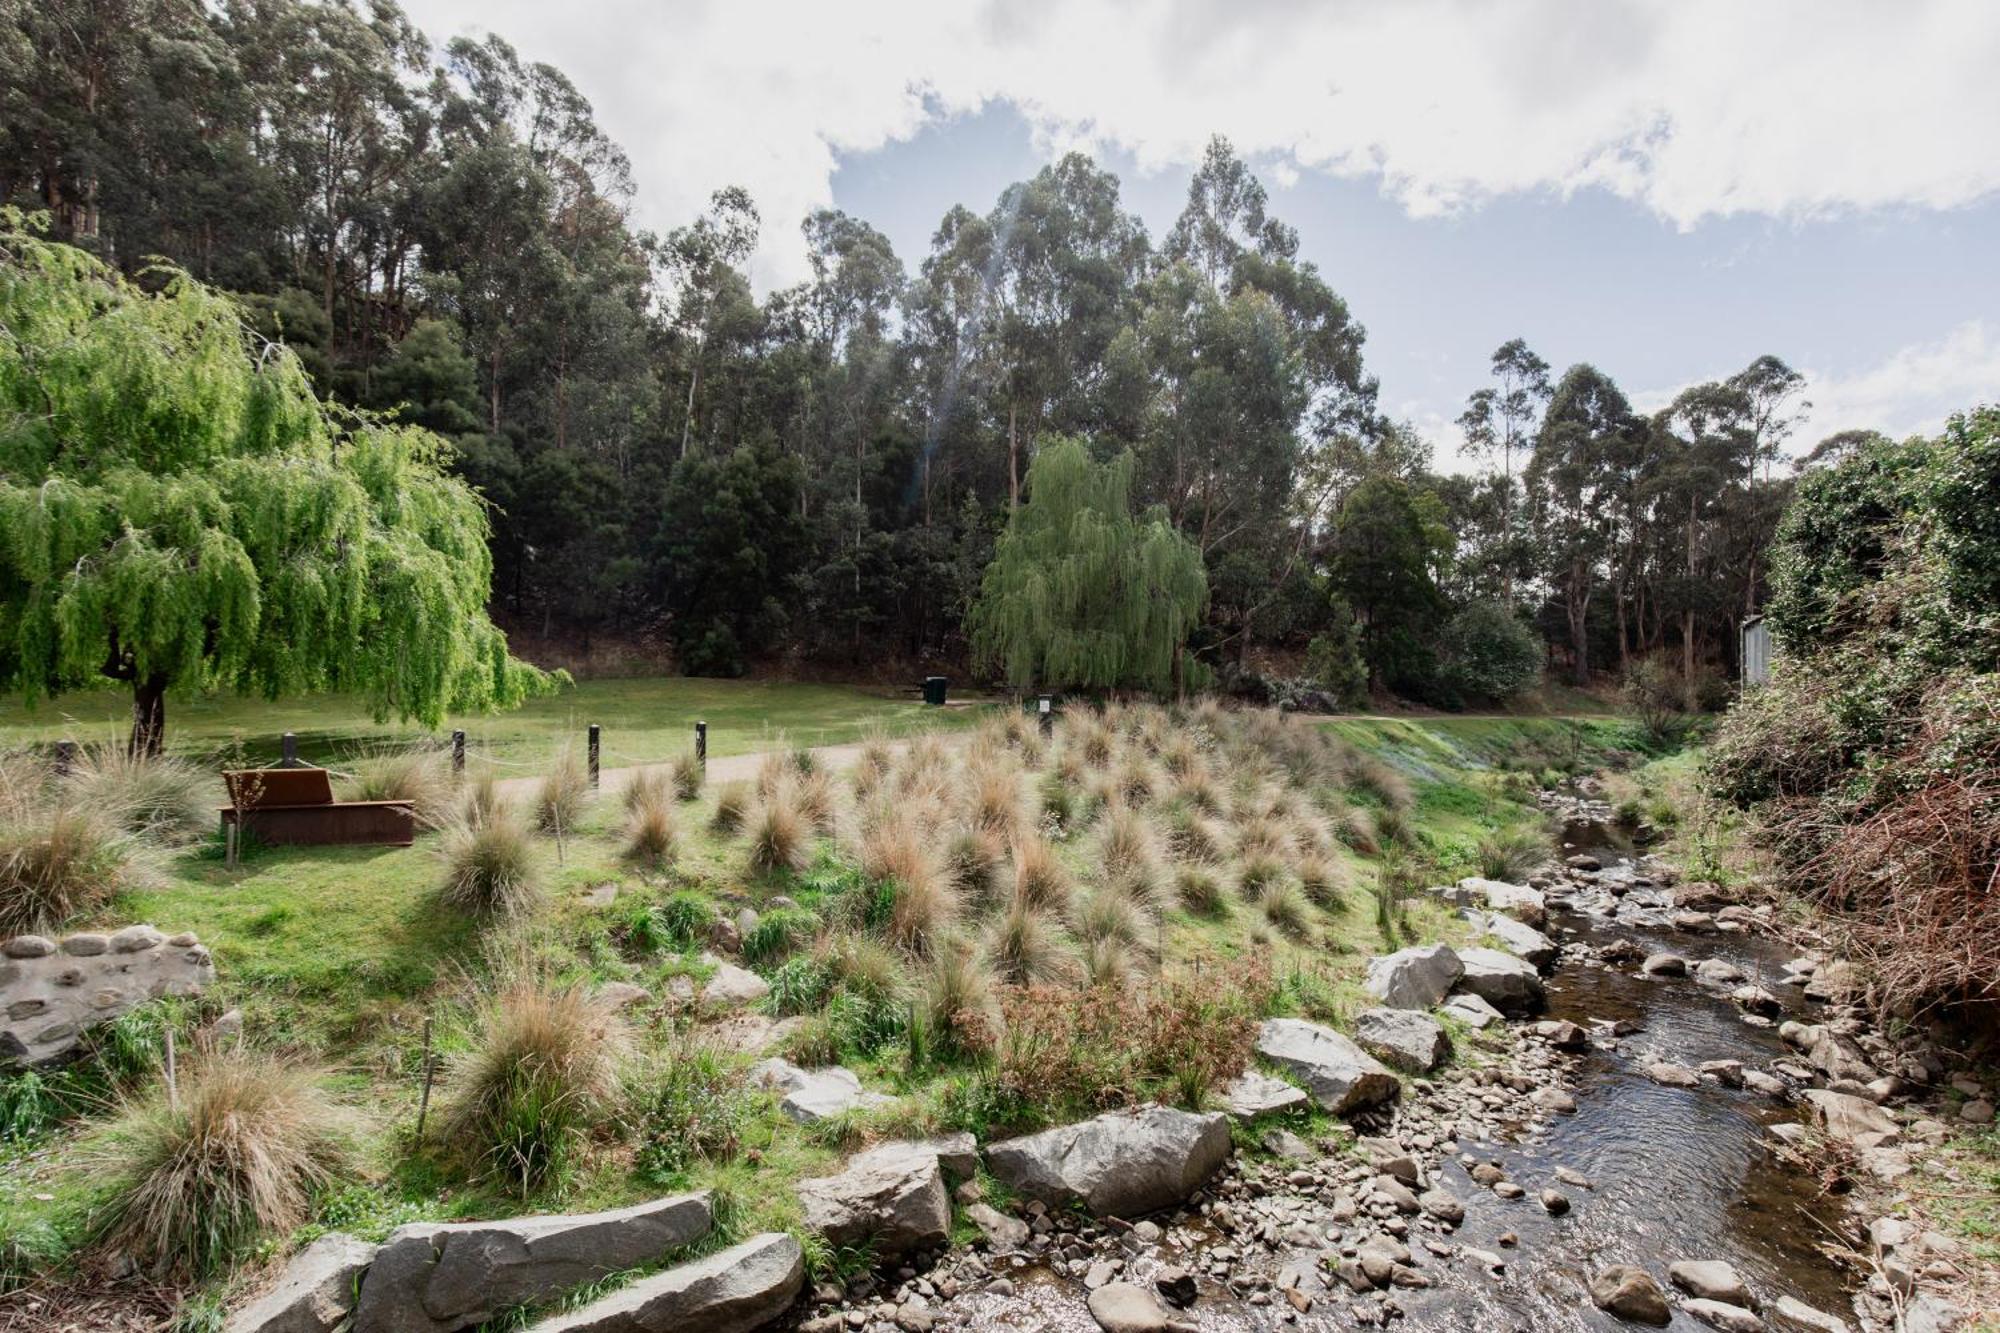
296	806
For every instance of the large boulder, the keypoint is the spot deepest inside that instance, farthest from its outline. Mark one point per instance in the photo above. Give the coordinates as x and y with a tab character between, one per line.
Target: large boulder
1518	938
315	1293
54	991
892	1195
1123	1307
1403	1037
1414	978
1711	1280
1340	1075
438	1277
1847	1118
1837	1055
733	1291
1509	984
731	987
811	1095
1516	900
1472	1011
1120	1164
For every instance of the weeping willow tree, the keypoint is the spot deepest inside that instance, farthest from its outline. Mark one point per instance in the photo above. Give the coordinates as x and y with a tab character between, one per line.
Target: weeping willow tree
179	510
1080	595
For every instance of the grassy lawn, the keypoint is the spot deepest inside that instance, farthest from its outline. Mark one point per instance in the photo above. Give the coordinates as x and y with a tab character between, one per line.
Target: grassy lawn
644	720
339	956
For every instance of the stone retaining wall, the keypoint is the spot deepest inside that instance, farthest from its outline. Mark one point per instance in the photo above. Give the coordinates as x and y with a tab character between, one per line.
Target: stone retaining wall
52	992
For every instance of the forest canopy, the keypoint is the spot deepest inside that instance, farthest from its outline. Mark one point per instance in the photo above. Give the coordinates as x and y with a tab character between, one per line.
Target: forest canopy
444	235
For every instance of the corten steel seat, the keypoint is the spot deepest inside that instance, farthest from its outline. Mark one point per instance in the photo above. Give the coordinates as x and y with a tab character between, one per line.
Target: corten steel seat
296	806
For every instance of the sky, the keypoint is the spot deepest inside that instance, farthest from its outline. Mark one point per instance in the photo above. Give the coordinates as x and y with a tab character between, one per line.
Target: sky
1666	190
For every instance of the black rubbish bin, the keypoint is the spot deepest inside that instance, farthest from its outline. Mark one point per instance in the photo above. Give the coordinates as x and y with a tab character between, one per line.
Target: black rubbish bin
934	687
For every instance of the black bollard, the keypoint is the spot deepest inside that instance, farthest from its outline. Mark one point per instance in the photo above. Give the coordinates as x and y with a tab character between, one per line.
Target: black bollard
701	745
65	758
458	754
291	759
593	755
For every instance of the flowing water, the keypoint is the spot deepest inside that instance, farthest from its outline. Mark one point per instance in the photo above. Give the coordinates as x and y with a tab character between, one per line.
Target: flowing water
1678	1173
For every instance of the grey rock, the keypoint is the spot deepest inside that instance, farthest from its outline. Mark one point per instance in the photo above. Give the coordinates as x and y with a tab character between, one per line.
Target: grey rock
1442	1204
742	1288
1416	978
1122	1307
315	1293
1474	1012
433	1277
1720	1314
1255	1093
892	1196
1664	965
1123	1163
1404	1038
732	986
1509	984
1711	1279
1516	900
1631	1294
1668	1074
1340	1076
808	1096
1847	1118
1001	1231
1718	972
1788	1314
1520	939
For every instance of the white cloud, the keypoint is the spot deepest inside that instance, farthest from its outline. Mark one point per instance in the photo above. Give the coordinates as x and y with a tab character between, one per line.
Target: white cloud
1912	391
1695	108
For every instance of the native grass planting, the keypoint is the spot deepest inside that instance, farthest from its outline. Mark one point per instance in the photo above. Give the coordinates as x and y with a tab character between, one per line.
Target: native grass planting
558	997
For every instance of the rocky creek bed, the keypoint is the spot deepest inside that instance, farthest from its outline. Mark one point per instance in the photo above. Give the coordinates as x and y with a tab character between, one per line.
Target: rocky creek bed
1624	1162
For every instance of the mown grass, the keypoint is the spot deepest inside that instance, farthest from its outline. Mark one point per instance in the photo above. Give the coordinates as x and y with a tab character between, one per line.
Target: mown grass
341	955
645	720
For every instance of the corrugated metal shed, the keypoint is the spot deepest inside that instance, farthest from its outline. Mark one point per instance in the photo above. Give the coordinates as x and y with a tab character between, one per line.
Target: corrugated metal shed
1756	651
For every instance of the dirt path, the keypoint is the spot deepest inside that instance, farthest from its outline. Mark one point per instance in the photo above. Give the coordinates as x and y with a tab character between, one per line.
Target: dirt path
726	768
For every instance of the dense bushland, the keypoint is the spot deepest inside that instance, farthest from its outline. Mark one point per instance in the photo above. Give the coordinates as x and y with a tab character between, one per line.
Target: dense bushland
1872	759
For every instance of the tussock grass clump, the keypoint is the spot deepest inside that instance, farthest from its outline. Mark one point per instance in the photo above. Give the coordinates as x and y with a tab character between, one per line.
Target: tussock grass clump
492	866
1125	844
1258	875
1201	891
1320	879
896	854
646	786
237	1156
563	793
1395	826
1383	779
977	864
1109	963
1198	790
169	801
1040	878
1263	837
1286	909
1059	799
544	1070
1134	781
58	864
1511	854
1024	947
732	808
780	836
994	801
688	776
1095	743
1195	837
957	1015
923	908
812	792
1107	914
1180	756
480	799
652	833
1357	829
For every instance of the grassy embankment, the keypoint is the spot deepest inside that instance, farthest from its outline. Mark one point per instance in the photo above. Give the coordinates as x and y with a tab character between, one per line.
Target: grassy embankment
338	956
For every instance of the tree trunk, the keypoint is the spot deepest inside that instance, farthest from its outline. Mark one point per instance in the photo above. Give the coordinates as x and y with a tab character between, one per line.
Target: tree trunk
1579	635
1013	461
149	716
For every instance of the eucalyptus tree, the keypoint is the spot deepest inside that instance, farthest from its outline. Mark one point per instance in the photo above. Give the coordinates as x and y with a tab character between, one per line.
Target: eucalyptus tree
178	510
1501	419
1573	478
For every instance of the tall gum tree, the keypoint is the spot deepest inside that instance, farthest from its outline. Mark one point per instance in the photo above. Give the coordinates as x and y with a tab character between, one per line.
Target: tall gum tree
178	510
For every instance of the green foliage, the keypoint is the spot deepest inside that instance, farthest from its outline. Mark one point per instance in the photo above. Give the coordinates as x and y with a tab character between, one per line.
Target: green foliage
178	508
1080	595
1334	661
693	1111
1487	655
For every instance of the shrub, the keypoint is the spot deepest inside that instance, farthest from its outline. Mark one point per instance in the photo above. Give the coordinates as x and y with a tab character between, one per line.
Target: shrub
543	1071
778	837
1335	665
563	793
1658	697
801	985
651	831
688	776
492	868
236	1156
1486	654
169	801
693	1111
58	864
732	807
1023	947
686	918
